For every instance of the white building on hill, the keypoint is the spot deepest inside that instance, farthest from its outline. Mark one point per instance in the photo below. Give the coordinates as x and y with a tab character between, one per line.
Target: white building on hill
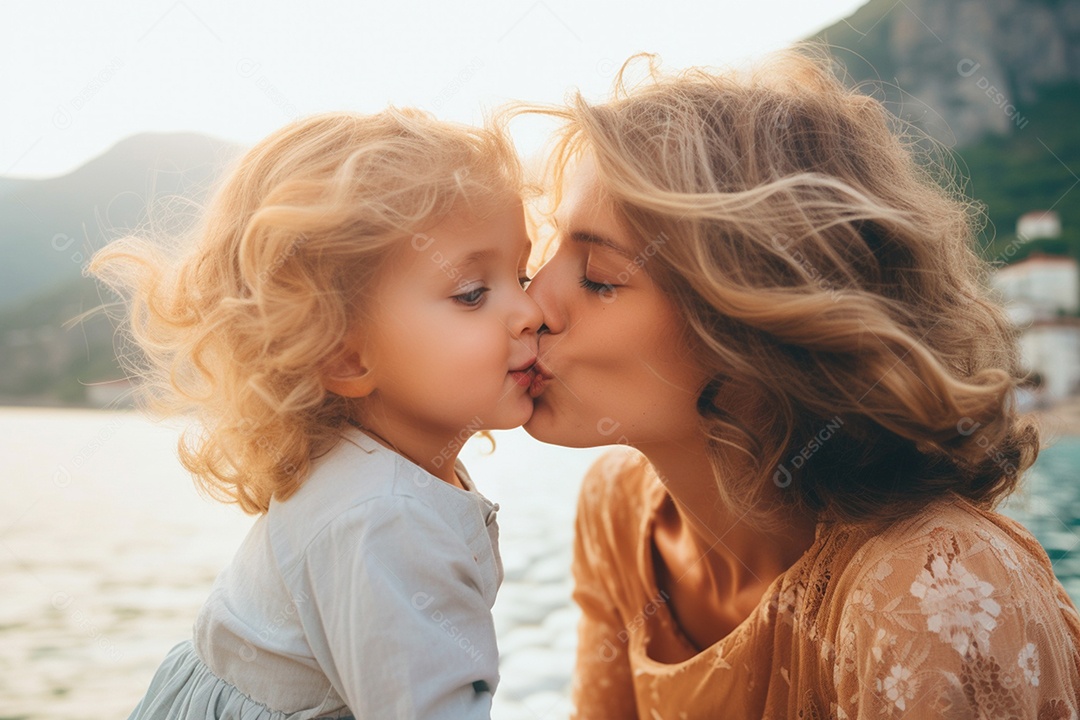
1038	224
1042	284
1042	293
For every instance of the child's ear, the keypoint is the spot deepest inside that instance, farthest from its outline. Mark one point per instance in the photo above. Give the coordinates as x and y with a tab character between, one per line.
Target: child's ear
349	375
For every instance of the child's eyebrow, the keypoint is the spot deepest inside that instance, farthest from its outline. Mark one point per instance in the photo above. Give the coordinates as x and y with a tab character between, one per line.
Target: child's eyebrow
479	256
475	256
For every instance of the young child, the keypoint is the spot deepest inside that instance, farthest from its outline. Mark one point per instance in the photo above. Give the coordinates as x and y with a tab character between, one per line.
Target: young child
350	313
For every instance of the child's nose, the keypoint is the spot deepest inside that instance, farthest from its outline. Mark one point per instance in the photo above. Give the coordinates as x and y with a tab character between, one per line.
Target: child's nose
529	315
541	291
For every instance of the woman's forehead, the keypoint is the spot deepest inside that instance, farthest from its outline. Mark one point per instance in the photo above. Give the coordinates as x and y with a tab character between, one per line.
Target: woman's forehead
587	209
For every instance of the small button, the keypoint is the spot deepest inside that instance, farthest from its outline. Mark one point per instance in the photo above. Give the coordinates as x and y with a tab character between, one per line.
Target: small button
491	514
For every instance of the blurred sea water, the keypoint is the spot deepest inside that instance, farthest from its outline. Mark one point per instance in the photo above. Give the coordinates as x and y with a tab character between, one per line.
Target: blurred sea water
1048	504
107	552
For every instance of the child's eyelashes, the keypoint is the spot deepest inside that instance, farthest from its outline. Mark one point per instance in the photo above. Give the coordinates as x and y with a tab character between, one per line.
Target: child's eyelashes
595	287
472	298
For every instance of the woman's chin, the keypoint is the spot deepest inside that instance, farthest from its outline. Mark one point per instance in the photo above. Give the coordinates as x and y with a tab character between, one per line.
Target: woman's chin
534	425
544	426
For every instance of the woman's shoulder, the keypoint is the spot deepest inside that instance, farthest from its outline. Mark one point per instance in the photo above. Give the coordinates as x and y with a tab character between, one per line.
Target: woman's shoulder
617	485
617	493
956	558
953	530
955	608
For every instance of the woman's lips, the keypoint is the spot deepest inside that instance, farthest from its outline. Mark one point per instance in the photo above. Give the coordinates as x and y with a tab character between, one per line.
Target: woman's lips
539	380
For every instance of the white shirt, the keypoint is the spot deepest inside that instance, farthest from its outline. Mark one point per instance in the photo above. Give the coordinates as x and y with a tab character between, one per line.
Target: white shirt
371	587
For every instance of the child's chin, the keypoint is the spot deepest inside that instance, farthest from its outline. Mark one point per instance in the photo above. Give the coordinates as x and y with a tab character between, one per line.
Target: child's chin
513	418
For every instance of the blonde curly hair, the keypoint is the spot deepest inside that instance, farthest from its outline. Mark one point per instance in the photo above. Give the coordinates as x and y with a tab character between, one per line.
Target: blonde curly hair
826	269
234	326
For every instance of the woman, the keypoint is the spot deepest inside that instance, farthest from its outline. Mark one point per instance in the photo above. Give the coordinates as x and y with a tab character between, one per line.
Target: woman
759	289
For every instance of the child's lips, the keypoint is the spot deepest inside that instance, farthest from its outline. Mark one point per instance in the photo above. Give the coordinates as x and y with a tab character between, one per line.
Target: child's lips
524	378
526	366
524	374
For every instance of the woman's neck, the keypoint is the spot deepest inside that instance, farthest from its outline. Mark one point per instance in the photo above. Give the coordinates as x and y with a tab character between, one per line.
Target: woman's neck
741	553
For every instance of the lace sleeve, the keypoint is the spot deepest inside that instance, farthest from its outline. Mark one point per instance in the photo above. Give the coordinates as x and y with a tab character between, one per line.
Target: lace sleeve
960	622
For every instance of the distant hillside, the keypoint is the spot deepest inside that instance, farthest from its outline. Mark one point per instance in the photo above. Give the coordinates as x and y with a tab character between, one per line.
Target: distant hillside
1032	169
48	231
45	362
998	81
50	227
960	69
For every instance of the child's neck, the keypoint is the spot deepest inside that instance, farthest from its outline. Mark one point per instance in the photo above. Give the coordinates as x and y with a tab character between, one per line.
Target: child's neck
437	456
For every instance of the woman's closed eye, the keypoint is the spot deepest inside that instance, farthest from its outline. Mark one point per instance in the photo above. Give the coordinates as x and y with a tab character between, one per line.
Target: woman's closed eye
595	287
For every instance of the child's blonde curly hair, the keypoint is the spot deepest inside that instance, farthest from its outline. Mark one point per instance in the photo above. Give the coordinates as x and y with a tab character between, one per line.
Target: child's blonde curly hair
236	326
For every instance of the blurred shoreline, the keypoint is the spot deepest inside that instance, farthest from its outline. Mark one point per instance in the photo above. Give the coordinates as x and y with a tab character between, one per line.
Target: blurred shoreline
1061	420
1057	420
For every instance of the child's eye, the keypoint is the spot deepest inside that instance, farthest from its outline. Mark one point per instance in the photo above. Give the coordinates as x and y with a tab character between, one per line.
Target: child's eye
473	297
595	287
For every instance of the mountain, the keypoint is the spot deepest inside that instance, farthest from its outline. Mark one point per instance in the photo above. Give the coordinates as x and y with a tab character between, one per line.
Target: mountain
1031	169
47	360
50	227
998	82
960	69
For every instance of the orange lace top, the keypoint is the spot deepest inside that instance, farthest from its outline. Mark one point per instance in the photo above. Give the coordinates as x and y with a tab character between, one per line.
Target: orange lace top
955	613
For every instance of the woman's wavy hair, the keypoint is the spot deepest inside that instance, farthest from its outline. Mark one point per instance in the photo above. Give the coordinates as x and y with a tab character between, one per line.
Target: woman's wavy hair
234	325
825	263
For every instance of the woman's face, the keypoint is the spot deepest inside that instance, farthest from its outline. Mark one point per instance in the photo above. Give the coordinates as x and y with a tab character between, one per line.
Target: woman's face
612	367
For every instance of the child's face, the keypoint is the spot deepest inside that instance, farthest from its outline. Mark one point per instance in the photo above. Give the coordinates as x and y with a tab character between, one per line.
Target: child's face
454	334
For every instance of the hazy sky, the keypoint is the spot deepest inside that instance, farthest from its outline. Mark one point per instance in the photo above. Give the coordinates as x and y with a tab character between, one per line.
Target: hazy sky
77	77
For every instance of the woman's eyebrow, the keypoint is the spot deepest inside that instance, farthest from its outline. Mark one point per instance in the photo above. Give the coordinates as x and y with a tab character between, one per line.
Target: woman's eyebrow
591	238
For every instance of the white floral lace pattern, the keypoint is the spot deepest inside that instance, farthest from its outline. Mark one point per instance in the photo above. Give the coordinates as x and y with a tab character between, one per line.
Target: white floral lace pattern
1029	663
958	605
897	687
946	625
